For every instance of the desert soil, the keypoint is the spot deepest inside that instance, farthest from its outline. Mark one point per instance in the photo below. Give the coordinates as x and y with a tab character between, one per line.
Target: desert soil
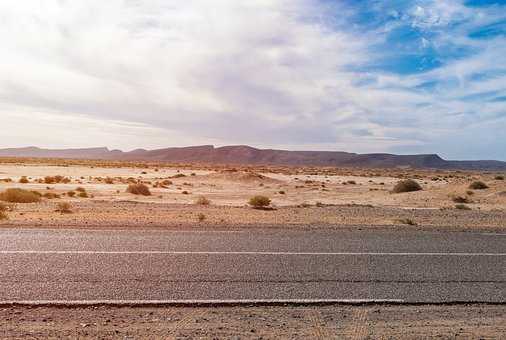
284	322
300	196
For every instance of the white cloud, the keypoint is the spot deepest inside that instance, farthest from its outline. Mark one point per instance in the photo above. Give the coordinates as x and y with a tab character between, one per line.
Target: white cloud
128	73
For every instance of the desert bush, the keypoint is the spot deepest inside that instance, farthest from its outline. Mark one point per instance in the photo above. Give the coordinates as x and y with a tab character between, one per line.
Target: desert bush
201	217
71	193
166	182
64	208
51	195
3	211
460	199
259	201
407	185
407	221
470	192
80	189
478	185
499	178
281	192
202	200
83	194
16	195
462	207
49	180
178	176
351	182
184	192
24	180
138	189
109	180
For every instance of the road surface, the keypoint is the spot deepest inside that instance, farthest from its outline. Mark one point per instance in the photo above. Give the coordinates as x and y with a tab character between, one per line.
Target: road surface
146	266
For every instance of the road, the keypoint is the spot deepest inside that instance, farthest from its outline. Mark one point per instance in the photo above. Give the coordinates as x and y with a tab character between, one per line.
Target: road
251	265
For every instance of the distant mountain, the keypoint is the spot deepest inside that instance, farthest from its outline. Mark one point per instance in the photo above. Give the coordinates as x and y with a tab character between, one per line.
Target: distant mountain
241	154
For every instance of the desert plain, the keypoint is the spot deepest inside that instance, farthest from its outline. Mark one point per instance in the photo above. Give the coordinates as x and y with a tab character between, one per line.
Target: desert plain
193	196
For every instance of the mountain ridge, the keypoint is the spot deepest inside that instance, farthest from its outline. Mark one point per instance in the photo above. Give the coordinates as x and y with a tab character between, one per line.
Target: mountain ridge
247	155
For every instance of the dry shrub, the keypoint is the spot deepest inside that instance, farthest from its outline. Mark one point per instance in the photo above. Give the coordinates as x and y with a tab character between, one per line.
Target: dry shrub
49	180
24	180
460	199
16	195
109	180
83	194
138	189
80	189
462	207
407	221
259	201
71	193
201	217
64	208
499	178
478	185
202	200
51	195
3	211
407	185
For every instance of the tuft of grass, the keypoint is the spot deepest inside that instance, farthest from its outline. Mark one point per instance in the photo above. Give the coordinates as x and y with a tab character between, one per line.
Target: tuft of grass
138	189
16	195
460	199
202	200
82	194
64	208
407	185
50	195
259	202
478	185
407	221
24	180
462	207
3	211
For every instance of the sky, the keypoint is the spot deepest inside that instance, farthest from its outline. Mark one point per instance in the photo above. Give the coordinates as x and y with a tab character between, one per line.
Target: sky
413	76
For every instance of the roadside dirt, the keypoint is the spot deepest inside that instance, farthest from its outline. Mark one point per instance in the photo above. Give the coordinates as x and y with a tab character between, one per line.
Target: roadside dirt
327	322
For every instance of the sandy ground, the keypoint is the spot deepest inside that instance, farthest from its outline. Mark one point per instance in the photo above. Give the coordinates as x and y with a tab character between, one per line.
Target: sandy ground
299	322
305	196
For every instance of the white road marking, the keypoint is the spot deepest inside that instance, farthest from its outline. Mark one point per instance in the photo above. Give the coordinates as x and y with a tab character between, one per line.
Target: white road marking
196	302
156	252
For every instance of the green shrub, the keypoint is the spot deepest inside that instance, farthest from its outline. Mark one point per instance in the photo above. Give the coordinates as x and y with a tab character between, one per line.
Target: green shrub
16	195
407	185
138	189
259	201
478	185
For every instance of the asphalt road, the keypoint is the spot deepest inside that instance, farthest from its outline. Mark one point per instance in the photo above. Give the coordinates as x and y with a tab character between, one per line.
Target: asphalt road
250	264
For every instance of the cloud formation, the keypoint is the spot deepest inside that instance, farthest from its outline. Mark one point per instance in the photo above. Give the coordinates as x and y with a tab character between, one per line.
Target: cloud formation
366	76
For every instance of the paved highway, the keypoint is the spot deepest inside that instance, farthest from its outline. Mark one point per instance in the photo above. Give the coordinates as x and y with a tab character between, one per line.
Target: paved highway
251	265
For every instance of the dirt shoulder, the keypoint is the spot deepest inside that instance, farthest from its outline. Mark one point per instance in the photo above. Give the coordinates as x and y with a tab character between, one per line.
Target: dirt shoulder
299	322
104	214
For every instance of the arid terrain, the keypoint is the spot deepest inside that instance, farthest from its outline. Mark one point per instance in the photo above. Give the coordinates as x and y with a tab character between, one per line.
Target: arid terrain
280	322
199	195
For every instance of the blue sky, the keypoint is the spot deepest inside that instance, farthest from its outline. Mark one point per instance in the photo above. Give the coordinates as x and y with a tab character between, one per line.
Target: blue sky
420	76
